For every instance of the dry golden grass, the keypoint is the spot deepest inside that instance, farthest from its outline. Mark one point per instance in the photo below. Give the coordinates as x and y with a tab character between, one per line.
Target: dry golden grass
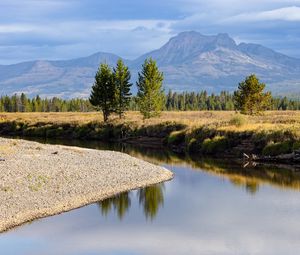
271	120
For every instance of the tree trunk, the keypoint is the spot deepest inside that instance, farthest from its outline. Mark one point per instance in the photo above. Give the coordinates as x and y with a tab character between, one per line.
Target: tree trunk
105	116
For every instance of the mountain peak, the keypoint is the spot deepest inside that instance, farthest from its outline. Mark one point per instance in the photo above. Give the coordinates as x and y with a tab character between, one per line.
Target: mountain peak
187	45
199	42
189	34
224	40
223	35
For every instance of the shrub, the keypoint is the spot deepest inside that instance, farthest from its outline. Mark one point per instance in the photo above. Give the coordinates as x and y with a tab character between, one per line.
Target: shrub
161	130
296	146
176	138
202	133
237	120
214	145
193	145
275	149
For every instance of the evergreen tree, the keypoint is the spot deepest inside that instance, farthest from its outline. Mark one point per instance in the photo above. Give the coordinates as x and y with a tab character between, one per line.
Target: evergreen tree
150	92
169	105
250	98
122	78
24	103
103	91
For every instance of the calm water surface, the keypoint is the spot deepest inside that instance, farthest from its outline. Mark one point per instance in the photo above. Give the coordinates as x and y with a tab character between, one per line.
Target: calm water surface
210	207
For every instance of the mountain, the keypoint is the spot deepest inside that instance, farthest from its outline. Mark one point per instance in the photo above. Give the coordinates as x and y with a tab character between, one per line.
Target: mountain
67	78
190	61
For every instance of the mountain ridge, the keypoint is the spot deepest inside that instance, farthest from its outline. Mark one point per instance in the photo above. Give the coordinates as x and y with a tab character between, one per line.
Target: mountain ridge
190	61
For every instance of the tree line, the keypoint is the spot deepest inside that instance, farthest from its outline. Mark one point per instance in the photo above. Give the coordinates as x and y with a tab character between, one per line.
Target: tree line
173	101
21	103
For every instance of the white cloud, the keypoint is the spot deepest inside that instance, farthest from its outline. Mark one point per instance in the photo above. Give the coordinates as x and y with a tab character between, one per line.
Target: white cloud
291	13
71	39
16	28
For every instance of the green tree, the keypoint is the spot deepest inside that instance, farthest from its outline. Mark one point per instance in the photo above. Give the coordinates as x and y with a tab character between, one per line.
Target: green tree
103	91
122	78
250	98
150	92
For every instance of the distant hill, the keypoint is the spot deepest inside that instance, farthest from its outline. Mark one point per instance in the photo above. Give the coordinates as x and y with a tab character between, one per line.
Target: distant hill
190	61
67	78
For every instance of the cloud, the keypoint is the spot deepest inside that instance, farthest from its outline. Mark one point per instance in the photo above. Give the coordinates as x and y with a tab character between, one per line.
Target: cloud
16	28
59	29
70	39
291	13
276	28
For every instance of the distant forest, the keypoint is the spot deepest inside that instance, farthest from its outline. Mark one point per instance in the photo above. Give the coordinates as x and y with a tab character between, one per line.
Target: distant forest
174	101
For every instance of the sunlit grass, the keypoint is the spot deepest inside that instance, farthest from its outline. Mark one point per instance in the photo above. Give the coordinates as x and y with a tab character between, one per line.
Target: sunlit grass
223	120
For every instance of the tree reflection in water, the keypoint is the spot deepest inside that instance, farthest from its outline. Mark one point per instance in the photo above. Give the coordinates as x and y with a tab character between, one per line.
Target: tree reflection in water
120	203
150	198
249	178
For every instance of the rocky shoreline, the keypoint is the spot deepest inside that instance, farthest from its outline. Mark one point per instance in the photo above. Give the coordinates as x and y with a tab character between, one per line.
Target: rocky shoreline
38	180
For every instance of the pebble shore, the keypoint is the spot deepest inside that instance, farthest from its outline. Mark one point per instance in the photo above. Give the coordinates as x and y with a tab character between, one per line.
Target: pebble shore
39	180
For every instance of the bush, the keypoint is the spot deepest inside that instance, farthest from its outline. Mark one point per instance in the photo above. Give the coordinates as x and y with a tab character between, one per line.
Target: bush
161	130
202	133
214	145
275	149
193	145
296	146
176	138
237	120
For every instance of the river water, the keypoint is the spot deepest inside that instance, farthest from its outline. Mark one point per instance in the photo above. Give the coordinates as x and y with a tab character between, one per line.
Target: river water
210	207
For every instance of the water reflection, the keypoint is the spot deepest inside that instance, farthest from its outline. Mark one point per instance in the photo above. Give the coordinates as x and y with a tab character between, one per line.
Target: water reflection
215	216
253	176
150	199
119	203
249	178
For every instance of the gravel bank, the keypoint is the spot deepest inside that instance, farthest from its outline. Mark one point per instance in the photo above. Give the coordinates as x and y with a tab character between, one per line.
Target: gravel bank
38	180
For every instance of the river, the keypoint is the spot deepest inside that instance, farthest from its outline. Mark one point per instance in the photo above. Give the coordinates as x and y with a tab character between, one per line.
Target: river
211	207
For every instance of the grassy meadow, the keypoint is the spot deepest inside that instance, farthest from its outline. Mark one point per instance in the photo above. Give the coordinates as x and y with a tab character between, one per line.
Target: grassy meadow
190	118
210	132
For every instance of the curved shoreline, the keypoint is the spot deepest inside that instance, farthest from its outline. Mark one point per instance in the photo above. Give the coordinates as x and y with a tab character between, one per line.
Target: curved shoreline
38	180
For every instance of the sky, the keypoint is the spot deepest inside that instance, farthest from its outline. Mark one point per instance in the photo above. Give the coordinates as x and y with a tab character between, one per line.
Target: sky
64	29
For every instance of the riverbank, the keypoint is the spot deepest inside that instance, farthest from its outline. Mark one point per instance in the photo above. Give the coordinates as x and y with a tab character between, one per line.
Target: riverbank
38	180
225	134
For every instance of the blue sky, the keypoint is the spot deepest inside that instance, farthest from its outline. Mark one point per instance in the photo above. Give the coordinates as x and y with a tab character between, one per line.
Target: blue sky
62	29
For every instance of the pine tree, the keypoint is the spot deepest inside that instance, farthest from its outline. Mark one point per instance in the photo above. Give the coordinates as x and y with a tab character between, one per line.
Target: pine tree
24	106
122	78
103	91
250	98
169	105
150	92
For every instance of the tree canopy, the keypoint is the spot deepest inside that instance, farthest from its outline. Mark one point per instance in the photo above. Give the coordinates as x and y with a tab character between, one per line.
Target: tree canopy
103	91
150	96
250	97
122	82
